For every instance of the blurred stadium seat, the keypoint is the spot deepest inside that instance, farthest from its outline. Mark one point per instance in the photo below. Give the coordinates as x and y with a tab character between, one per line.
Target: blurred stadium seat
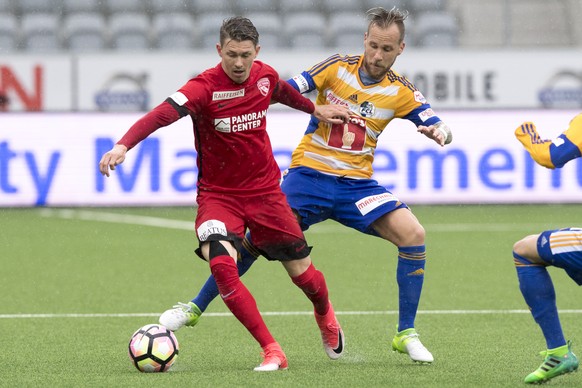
209	28
40	32
254	6
400	4
73	6
346	30
6	7
8	33
418	6
435	29
270	26
37	6
354	6
84	32
130	31
117	6
200	7
168	6
174	31
289	7
306	30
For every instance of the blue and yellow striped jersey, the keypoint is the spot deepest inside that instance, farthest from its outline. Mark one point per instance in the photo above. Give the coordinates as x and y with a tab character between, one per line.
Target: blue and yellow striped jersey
554	153
348	149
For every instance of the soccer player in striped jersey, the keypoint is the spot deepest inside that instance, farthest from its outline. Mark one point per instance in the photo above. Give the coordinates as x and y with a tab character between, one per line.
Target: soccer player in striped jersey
560	248
331	169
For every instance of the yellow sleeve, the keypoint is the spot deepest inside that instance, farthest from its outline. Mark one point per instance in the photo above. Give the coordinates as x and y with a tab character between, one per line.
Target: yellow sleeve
538	148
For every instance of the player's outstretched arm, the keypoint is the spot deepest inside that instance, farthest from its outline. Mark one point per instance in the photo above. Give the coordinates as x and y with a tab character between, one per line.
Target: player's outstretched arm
333	114
439	132
538	148
112	158
552	153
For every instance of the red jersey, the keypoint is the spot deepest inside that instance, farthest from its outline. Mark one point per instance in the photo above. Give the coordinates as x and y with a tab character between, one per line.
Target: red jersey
230	127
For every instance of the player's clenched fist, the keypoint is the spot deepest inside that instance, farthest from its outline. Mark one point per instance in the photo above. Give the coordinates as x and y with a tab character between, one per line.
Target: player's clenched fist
112	158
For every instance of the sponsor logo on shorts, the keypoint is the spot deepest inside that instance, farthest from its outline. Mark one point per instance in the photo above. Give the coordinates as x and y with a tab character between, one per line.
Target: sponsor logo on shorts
366	205
217	96
209	228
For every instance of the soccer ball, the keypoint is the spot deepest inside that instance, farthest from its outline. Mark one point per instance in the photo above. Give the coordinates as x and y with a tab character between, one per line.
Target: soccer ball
153	348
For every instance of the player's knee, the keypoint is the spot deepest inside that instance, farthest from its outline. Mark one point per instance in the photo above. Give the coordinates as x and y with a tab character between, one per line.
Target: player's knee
417	235
525	250
519	248
523	246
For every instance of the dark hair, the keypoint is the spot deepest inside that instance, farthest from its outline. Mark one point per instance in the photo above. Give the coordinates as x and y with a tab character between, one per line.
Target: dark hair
239	29
383	18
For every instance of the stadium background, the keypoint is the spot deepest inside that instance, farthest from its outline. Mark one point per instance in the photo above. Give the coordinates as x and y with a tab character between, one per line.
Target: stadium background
74	74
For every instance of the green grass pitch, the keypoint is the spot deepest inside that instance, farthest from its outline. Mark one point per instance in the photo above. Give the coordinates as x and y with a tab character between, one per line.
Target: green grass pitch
76	283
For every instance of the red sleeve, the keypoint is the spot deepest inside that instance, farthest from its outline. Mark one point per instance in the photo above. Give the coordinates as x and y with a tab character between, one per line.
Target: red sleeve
286	94
162	115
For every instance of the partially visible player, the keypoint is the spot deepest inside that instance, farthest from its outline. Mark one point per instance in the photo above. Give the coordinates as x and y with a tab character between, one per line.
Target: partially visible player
552	153
238	179
560	248
331	169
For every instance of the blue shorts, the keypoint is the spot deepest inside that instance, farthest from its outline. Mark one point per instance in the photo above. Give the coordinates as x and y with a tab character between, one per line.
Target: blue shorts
355	203
563	248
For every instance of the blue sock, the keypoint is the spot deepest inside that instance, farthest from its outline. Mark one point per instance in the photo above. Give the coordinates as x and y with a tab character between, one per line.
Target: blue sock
410	276
209	290
537	289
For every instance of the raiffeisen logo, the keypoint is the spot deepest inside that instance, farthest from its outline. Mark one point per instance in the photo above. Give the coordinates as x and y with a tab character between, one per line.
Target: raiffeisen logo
564	90
124	92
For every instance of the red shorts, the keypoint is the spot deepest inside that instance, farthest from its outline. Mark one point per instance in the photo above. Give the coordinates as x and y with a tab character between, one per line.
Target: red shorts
268	217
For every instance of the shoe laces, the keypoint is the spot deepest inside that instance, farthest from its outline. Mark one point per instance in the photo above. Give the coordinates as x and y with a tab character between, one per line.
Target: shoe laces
184	306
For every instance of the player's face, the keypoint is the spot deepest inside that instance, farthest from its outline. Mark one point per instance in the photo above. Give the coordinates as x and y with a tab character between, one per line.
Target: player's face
381	47
237	58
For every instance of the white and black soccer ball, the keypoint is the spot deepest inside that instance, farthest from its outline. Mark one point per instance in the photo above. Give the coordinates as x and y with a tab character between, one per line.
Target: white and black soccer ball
153	348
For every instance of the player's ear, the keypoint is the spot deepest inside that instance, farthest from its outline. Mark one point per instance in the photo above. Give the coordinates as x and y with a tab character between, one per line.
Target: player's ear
401	48
219	49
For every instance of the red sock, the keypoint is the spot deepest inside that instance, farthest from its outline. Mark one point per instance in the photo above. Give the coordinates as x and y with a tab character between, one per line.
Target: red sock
238	299
312	283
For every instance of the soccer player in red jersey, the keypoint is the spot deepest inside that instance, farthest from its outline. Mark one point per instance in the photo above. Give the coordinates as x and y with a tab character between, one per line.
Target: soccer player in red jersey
238	180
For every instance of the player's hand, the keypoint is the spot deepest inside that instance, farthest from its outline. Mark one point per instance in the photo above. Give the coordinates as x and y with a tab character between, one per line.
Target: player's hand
112	158
333	114
439	132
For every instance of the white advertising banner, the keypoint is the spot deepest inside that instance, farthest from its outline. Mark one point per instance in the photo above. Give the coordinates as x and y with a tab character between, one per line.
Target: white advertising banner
51	160
449	79
31	83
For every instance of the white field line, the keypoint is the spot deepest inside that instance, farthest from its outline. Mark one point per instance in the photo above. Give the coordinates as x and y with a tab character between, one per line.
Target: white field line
282	313
117	218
